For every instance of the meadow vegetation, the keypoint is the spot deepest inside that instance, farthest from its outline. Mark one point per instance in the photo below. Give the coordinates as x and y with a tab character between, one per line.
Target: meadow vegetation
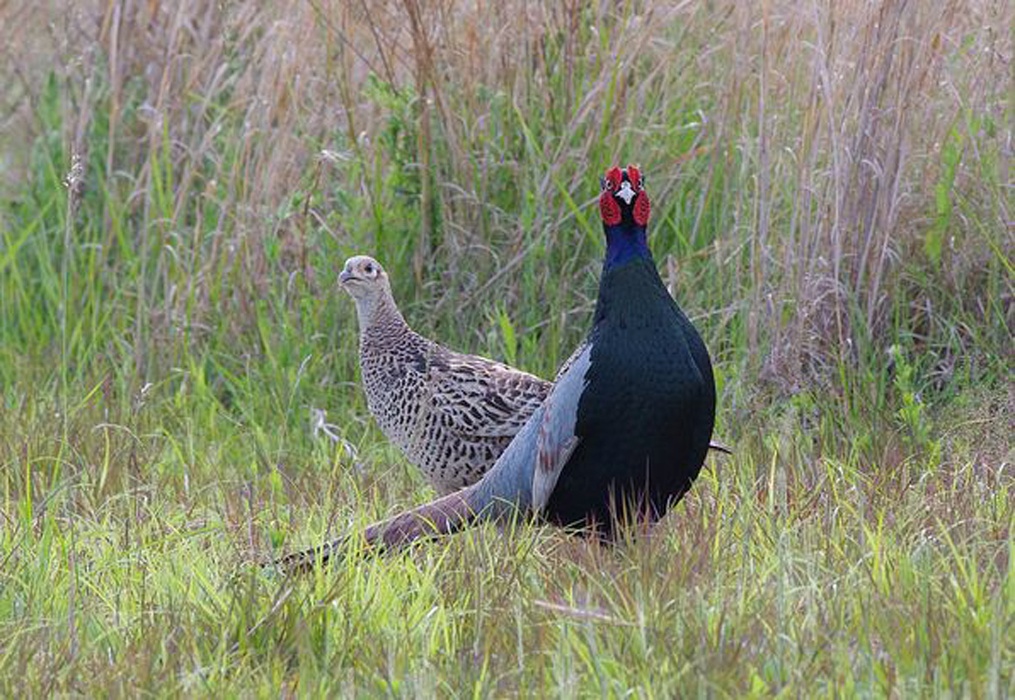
832	205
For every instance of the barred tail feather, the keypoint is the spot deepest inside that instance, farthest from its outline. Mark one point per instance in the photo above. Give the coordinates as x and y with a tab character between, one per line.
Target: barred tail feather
440	517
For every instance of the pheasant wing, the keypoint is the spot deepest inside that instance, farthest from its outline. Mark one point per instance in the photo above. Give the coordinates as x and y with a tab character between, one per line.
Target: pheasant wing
557	440
578	351
480	398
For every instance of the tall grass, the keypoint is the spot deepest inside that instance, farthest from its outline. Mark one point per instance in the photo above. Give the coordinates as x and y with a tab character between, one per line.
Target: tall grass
181	182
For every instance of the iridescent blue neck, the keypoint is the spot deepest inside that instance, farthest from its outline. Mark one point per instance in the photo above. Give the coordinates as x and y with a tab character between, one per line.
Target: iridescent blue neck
625	241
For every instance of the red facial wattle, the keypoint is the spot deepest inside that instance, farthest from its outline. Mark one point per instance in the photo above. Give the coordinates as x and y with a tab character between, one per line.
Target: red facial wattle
609	209
614	176
634	176
642	209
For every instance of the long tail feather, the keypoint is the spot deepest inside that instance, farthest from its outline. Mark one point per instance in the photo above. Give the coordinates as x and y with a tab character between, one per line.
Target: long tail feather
506	489
440	517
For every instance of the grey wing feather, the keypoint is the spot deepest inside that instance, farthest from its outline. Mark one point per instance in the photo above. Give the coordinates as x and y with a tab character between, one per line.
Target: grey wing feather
525	475
556	440
582	347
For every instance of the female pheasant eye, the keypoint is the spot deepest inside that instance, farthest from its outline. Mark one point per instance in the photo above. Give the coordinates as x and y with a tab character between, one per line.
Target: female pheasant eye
369	269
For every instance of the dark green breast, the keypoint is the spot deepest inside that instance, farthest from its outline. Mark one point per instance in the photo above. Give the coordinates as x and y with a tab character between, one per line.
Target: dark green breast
645	419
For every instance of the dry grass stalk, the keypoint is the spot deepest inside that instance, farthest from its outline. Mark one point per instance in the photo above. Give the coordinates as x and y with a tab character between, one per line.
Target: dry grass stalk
823	128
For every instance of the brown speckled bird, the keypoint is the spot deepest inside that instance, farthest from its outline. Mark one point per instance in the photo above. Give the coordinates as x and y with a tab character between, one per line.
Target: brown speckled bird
450	413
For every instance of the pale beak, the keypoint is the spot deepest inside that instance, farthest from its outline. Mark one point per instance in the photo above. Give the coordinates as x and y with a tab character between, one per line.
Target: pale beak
625	192
344	276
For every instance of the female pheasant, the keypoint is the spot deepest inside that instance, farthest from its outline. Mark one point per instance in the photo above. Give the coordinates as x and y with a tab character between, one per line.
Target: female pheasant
626	426
451	414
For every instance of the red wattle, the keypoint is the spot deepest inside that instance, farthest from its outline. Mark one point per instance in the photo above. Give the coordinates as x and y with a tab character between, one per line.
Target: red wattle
642	209
614	176
634	175
609	210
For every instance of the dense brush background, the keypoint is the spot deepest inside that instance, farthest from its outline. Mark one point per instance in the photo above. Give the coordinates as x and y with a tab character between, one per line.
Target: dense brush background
832	205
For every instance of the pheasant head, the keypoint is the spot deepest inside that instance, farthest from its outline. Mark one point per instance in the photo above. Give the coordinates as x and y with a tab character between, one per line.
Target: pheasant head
367	283
624	208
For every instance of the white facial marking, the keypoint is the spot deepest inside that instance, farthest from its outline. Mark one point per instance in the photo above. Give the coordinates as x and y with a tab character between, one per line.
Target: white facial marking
625	192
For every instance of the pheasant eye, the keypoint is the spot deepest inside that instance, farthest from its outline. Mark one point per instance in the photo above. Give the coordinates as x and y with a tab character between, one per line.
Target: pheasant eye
612	180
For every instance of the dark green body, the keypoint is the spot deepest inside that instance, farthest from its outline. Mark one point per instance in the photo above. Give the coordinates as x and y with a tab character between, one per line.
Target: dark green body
646	416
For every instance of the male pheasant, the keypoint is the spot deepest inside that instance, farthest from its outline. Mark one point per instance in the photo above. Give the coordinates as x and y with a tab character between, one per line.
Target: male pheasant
451	414
626	426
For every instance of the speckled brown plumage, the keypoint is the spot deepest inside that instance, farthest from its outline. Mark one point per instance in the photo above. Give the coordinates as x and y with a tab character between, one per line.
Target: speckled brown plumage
450	413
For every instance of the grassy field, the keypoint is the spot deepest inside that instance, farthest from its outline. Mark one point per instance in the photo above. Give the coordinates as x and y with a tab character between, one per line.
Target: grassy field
180	184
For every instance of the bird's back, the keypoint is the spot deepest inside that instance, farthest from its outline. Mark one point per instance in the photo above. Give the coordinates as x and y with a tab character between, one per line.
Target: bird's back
450	413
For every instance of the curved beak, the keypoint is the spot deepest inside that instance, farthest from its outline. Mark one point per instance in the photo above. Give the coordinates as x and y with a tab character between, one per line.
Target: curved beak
344	276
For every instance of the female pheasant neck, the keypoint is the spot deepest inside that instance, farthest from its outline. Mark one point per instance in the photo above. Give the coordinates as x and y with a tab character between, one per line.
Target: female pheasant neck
378	312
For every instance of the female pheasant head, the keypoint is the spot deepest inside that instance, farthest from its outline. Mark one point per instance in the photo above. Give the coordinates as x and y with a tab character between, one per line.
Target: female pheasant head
367	283
625	208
